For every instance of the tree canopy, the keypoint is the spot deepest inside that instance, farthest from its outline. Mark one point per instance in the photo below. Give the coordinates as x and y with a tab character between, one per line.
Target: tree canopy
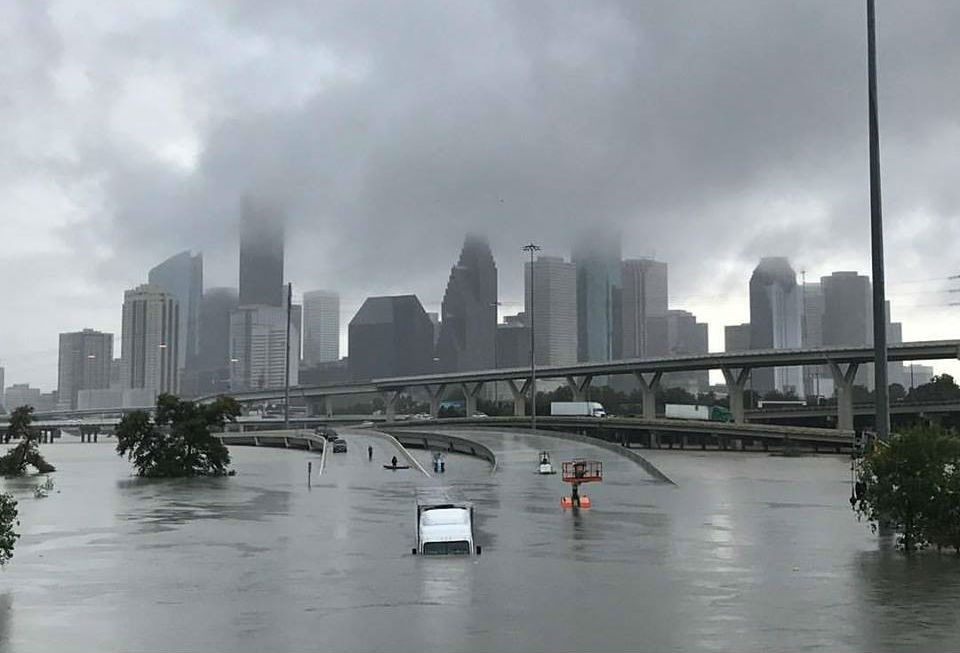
941	388
27	451
178	441
8	519
912	483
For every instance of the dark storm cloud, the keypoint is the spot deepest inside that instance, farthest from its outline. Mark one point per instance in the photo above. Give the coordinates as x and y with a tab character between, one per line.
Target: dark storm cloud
707	133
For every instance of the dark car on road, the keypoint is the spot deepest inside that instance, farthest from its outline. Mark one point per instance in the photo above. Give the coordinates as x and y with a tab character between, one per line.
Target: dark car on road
339	445
325	432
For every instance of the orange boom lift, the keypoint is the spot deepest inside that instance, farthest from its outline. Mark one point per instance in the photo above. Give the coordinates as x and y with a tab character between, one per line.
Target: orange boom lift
579	471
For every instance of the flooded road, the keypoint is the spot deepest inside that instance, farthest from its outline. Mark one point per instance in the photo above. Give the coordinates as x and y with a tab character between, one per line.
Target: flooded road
748	551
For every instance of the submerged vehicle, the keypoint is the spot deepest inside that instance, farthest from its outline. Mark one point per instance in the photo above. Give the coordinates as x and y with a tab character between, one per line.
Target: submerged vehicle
339	445
445	529
545	466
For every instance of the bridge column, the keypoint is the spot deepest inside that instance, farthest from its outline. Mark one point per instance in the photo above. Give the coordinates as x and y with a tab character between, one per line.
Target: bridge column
390	403
736	381
470	393
519	396
324	408
580	386
843	382
648	390
435	390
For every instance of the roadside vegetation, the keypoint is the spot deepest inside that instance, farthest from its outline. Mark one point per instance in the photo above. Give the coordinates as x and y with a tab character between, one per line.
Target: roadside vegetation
27	451
911	483
8	519
178	441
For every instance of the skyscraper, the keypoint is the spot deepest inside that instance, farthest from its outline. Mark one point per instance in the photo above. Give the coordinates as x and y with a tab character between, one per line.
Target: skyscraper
644	307
181	275
775	308
3	405
151	340
554	285
599	285
736	337
321	327
261	254
468	324
817	379
687	337
85	360
258	348
390	336
210	373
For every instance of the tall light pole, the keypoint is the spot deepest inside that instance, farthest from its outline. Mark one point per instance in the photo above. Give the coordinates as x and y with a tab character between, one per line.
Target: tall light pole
876	238
532	248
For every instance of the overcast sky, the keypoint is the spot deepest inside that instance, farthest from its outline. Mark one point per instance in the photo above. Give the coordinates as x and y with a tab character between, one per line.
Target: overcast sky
708	133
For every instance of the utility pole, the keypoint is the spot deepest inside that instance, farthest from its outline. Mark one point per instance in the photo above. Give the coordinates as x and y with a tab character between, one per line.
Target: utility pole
286	364
532	248
881	392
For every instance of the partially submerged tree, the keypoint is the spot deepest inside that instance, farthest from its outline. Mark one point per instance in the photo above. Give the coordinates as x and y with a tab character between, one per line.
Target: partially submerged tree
27	451
911	482
8	519
178	441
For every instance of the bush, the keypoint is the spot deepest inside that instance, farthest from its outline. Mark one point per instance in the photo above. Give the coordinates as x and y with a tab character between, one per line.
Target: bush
177	442
911	482
8	519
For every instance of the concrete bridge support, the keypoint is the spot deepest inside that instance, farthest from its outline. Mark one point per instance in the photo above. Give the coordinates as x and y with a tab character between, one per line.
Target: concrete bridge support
390	403
736	380
519	396
470	393
580	386
649	384
843	383
435	391
324	406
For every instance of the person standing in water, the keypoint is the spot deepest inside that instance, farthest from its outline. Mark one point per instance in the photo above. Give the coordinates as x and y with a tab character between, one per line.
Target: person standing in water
393	461
369	453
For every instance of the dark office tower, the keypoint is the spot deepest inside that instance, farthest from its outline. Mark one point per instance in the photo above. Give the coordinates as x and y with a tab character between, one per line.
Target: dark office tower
182	276
644	308
775	317
848	316
85	361
687	337
390	336
599	315
261	254
211	371
468	324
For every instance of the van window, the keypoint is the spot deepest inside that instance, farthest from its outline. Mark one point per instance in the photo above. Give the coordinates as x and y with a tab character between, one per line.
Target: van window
457	547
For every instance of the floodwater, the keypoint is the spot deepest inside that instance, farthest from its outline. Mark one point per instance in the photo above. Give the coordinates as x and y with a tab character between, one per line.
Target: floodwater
748	551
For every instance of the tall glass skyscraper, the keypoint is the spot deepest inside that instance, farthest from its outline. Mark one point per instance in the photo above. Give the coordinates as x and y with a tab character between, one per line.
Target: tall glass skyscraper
468	324
181	275
599	286
261	254
775	322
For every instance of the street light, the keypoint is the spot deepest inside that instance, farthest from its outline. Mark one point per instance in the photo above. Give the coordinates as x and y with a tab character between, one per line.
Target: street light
532	248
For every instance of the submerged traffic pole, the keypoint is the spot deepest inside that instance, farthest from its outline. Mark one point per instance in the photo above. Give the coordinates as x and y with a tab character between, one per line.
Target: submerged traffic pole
309	473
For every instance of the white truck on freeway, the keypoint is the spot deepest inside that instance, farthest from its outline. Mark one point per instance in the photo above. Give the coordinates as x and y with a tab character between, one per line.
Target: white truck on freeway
577	409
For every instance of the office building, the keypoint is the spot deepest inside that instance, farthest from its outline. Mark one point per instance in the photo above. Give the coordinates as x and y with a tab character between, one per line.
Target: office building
258	348
687	337
150	341
736	337
644	308
210	373
550	292
261	254
513	345
321	327
390	336
21	394
3	405
598	293
775	322
817	379
182	276
84	363
468	322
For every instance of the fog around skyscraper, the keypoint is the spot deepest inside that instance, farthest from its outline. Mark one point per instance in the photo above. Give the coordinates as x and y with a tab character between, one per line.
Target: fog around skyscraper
384	146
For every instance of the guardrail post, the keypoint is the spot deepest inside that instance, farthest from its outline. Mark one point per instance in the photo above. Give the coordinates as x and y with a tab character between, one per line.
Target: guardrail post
648	390
519	396
736	380
843	384
580	385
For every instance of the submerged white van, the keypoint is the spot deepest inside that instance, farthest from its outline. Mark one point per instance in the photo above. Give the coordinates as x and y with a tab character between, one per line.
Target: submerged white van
445	529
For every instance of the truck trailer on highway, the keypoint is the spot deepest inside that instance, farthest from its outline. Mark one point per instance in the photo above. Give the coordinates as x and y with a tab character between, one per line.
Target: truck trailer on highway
577	409
706	413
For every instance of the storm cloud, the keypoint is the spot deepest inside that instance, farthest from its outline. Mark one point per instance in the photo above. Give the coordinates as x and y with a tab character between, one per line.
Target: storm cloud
708	134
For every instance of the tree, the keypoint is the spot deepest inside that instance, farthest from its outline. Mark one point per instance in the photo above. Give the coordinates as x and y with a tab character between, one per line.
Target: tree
912	483
177	442
940	388
8	519
27	451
